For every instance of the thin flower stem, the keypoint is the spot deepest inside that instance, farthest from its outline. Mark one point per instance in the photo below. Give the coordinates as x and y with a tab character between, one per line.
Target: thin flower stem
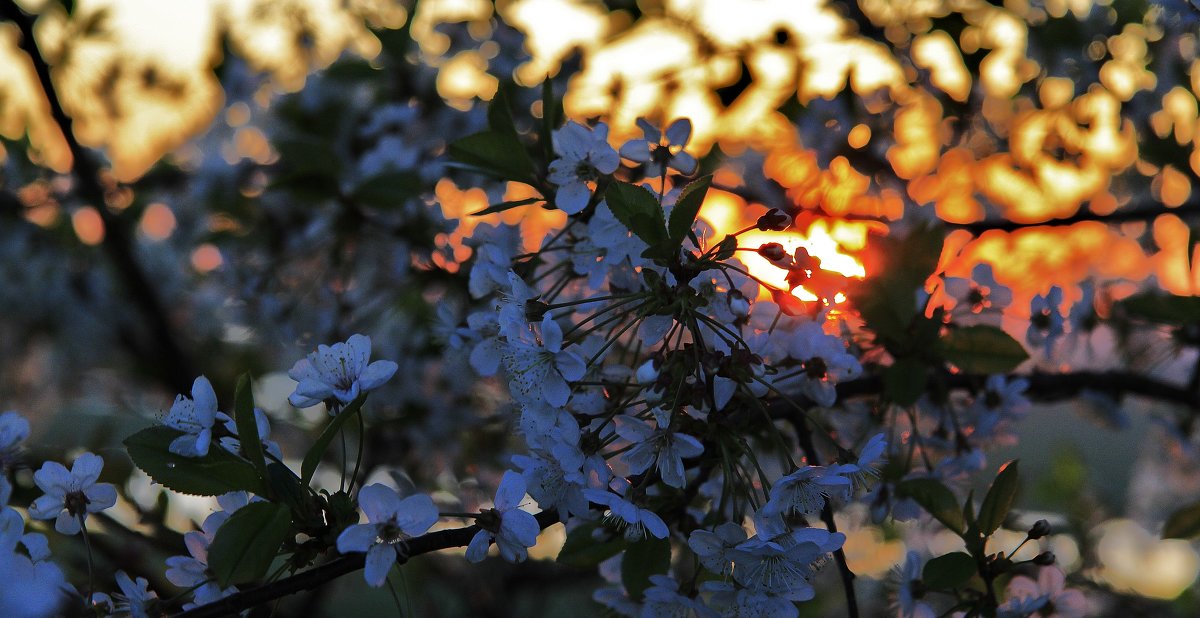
362	447
87	545
589	300
597	314
613	339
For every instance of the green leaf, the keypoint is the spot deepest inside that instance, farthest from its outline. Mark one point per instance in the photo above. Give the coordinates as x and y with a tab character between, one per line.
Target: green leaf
936	499
887	300
219	472
313	458
388	189
503	206
686	209
981	349
247	427
308	155
499	112
286	487
949	571
887	306
1183	523
639	211
581	550
999	499
499	154
248	542
904	380
642	559
552	117
1164	308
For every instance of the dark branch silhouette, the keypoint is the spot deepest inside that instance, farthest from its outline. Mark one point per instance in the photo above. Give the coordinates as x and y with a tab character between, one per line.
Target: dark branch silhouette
162	348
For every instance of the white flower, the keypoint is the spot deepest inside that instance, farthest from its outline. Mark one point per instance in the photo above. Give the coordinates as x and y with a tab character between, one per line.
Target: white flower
635	521
908	591
664	448
14	429
136	598
804	491
339	372
714	549
1026	596
233	443
783	565
391	522
664	149
541	373
71	495
663	600
979	294
30	590
824	360
514	530
195	418
584	156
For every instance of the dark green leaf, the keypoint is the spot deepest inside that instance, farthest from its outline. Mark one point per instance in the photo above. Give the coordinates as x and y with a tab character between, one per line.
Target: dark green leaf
286	487
500	154
313	458
1183	523
503	206
904	381
638	210
247	427
1164	308
999	499
308	155
581	550
949	571
219	472
642	559
499	112
388	189
981	349
887	306
936	499
248	542
686	209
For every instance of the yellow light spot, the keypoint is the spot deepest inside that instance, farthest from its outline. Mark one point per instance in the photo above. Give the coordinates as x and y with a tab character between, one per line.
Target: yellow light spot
158	221
859	136
238	114
1134	560
1175	187
465	77
937	52
88	225
206	258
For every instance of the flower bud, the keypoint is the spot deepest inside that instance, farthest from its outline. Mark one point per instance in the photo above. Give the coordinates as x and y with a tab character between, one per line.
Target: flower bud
774	221
1040	529
773	251
647	373
739	305
1045	558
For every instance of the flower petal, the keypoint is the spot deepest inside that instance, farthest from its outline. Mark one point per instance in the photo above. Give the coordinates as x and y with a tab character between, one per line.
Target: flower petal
510	492
477	549
380	559
357	538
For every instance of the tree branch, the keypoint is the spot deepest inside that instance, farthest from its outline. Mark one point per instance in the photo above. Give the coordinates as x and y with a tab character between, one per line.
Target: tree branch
1057	386
178	370
312	578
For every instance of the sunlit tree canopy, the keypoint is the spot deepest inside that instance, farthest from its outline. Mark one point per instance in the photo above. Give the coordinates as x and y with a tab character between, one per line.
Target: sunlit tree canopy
953	235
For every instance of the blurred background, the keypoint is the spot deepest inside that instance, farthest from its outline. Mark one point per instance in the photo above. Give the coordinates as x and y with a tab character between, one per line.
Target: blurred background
210	187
